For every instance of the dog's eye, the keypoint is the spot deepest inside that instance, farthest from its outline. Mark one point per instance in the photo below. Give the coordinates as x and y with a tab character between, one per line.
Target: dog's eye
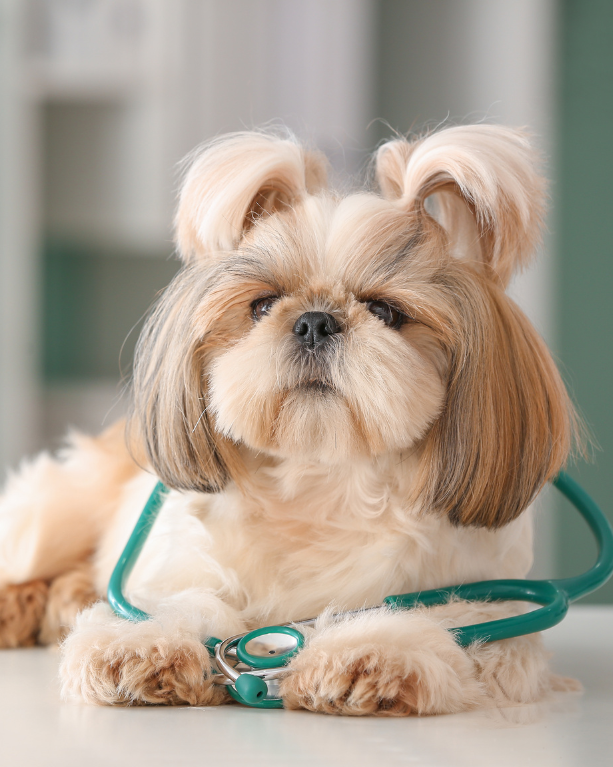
392	317
262	306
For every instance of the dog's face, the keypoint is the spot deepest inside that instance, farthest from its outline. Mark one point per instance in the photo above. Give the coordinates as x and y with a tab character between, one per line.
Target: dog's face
329	349
316	327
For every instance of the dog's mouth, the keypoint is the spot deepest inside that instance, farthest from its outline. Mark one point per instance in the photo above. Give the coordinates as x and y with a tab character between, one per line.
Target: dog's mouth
311	375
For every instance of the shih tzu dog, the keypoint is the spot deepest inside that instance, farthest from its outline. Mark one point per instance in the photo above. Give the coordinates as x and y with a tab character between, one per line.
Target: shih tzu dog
345	405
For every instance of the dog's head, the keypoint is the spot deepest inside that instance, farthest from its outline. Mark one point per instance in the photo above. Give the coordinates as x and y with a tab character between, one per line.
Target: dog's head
306	324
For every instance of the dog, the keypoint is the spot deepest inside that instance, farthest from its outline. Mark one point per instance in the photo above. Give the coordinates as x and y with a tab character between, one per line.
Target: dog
345	405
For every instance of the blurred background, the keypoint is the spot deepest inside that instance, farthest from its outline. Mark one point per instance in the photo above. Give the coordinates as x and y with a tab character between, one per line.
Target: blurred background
100	99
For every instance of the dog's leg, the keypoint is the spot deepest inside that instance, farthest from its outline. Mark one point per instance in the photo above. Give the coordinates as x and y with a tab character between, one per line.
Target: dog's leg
108	660
38	612
511	670
22	608
68	595
390	663
400	663
53	511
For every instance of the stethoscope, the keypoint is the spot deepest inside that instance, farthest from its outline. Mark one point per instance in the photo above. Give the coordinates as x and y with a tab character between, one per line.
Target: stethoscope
252	664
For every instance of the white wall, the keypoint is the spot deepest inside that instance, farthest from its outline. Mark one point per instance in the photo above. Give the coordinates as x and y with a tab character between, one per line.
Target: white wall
99	100
19	255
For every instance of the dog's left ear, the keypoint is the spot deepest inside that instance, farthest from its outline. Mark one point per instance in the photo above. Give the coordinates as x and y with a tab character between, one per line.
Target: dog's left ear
235	180
488	194
507	425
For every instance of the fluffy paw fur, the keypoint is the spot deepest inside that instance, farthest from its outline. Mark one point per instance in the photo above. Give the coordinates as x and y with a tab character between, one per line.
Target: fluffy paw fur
382	663
22	607
68	595
107	660
511	671
164	674
516	670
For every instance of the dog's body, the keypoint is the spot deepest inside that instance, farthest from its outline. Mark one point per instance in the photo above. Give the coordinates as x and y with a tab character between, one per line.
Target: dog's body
347	405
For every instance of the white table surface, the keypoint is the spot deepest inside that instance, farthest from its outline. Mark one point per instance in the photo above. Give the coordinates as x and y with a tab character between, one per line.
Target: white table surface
569	729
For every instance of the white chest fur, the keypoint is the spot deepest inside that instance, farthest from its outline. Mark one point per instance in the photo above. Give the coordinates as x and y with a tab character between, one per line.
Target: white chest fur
299	538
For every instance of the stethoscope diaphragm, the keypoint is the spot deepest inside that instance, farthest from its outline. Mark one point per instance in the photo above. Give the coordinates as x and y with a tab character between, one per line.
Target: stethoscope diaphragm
269	647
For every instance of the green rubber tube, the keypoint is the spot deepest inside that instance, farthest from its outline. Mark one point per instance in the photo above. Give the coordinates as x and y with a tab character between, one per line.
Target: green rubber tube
581	585
130	554
554	595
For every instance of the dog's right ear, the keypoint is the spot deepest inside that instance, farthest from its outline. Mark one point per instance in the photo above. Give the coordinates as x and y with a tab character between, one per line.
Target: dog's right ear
236	179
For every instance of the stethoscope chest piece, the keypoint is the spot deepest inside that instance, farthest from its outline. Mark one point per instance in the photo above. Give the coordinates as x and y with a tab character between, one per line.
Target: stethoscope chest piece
264	652
269	647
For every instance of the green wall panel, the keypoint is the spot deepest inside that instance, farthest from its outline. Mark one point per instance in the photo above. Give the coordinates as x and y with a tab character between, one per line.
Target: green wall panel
584	234
93	304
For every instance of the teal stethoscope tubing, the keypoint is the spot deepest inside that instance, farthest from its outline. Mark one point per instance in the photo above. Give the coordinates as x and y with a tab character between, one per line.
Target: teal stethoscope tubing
553	596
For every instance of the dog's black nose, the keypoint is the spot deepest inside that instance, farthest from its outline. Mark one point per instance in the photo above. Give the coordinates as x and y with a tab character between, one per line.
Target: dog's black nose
313	328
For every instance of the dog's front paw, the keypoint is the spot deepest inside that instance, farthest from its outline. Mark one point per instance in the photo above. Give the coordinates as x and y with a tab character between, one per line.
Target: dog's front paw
382	663
163	673
134	664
